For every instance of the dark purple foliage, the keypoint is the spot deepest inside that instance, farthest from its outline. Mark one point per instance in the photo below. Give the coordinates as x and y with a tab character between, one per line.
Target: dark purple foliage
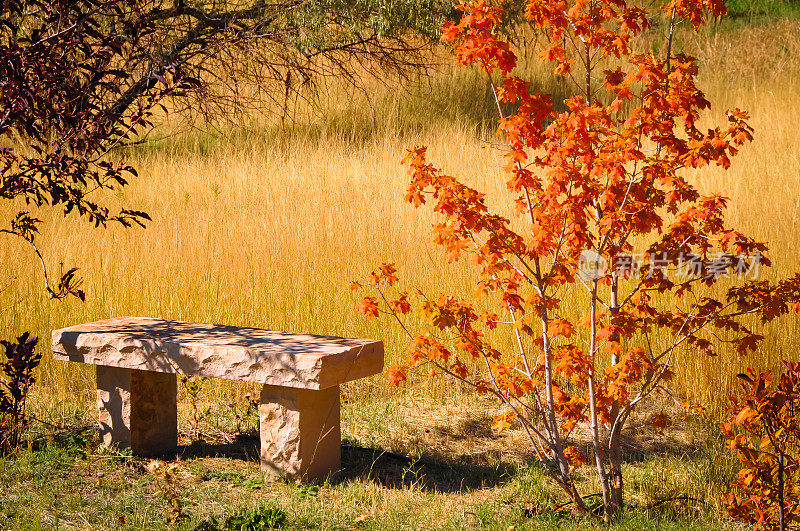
20	360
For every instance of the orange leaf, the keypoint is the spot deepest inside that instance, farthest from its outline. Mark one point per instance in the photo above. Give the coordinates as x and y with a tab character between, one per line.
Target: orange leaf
369	307
503	421
560	327
396	374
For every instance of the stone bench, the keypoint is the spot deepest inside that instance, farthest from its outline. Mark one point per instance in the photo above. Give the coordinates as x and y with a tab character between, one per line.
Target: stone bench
138	358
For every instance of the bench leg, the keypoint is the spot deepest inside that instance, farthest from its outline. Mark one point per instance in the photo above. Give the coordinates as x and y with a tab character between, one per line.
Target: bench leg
138	410
300	432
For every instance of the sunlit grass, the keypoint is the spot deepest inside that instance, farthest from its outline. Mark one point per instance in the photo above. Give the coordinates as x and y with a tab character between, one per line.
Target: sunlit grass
263	226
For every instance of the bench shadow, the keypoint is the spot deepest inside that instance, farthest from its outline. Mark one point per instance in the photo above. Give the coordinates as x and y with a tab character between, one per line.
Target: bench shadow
443	468
244	447
432	473
428	472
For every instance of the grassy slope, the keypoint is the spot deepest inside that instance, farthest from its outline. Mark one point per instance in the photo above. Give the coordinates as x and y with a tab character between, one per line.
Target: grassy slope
266	228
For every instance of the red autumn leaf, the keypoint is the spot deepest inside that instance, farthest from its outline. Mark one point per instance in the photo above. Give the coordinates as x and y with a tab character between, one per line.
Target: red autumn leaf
369	307
401	305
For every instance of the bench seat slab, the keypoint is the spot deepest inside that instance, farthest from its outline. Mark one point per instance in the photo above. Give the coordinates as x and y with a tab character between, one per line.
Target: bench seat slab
219	351
138	410
300	432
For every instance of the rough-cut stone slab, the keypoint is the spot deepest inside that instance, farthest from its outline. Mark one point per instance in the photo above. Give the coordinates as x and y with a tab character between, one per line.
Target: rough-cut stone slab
138	410
300	434
217	351
137	359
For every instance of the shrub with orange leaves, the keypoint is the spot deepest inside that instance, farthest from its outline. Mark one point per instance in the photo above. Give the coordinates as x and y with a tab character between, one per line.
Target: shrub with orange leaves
588	183
764	431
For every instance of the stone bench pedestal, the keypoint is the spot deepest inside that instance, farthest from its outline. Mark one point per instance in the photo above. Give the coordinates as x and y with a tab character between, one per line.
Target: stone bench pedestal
138	410
300	433
138	358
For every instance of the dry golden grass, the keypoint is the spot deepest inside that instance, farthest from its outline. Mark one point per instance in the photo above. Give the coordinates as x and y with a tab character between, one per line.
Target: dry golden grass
267	228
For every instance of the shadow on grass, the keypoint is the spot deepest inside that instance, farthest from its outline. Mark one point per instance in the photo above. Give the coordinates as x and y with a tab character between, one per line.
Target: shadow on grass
456	456
433	473
435	469
72	439
244	447
637	448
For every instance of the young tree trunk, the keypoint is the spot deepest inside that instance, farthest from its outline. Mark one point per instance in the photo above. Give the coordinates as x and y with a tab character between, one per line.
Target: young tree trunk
617	483
614	448
781	501
594	426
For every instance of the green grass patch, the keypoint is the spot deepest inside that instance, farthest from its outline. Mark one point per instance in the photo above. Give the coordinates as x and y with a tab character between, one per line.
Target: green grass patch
67	481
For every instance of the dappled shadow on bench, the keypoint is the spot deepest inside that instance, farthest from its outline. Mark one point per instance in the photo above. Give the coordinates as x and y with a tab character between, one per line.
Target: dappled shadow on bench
220	351
165	331
434	473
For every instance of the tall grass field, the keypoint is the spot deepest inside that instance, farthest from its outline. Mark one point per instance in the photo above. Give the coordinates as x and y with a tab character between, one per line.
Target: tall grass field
266	224
263	226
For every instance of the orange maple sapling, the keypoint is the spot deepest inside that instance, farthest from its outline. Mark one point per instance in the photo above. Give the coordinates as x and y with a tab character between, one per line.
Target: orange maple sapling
592	184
